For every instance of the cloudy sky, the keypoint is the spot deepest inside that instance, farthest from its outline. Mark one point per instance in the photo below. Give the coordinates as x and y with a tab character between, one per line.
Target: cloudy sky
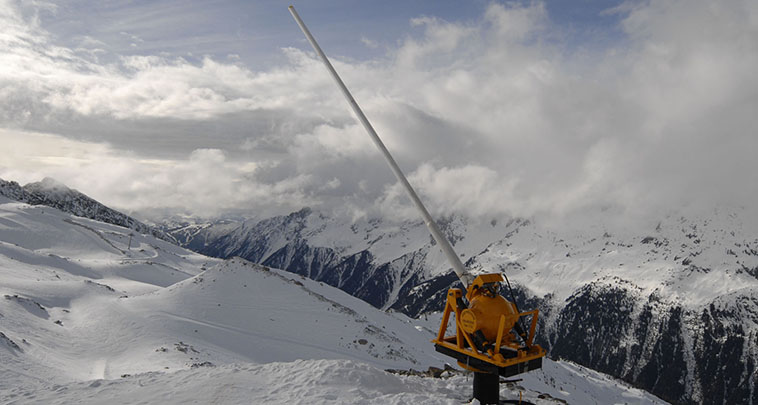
516	108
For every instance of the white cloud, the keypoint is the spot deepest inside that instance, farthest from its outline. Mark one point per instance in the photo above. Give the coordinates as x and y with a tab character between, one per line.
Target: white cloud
369	43
489	117
473	189
204	183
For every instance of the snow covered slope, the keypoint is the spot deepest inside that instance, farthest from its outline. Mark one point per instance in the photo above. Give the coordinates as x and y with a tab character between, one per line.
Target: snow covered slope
328	382
80	282
84	318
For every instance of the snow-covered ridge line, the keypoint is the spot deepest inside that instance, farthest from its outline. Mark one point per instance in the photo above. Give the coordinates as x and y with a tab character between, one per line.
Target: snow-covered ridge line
51	193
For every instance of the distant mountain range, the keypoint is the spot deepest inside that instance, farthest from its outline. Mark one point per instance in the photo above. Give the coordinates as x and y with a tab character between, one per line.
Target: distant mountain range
54	194
672	309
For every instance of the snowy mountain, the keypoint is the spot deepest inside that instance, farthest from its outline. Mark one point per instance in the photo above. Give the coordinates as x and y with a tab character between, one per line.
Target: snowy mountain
192	234
670	307
89	316
51	193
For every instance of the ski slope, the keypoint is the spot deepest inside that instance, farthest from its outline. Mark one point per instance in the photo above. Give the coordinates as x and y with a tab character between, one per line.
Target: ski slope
95	313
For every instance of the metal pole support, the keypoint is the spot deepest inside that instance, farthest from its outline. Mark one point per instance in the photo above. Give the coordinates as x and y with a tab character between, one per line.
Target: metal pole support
487	388
438	236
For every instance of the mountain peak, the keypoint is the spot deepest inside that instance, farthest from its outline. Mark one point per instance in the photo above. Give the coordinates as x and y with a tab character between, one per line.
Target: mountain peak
51	183
49	186
52	193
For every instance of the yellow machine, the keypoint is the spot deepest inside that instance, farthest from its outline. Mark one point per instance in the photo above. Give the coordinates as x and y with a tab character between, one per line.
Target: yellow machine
487	331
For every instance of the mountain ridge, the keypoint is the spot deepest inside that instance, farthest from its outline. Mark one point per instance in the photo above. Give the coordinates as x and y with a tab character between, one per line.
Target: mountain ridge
52	193
645	293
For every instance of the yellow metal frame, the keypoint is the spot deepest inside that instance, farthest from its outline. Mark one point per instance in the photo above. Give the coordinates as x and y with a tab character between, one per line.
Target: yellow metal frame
463	342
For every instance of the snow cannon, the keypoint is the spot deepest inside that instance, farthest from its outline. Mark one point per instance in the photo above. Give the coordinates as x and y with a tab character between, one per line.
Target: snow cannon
484	340
488	335
489	338
487	307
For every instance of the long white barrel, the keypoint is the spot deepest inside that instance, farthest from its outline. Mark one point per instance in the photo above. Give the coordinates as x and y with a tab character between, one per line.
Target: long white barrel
441	240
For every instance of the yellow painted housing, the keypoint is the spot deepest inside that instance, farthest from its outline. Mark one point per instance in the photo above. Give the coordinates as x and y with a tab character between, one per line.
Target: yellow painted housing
483	339
484	314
